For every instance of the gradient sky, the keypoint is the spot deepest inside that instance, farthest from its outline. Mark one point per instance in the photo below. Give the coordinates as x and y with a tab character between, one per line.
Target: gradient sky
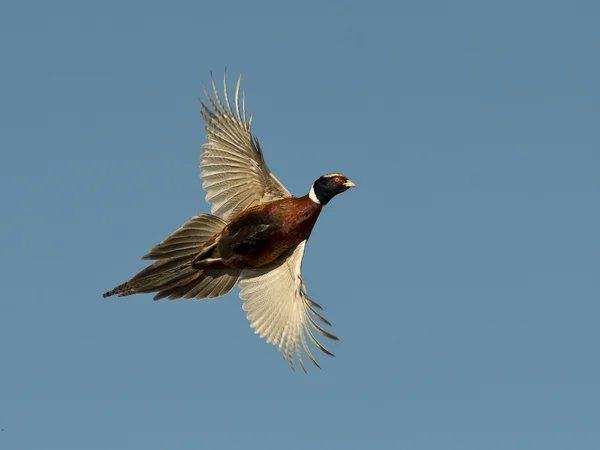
461	275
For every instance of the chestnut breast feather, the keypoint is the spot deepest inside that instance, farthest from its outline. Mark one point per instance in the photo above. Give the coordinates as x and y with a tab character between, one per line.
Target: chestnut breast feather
261	234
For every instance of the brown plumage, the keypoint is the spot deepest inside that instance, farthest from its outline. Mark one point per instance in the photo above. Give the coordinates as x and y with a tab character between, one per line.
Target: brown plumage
255	236
260	235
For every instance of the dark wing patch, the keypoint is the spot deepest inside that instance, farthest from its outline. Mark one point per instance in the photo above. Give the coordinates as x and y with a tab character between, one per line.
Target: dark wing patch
248	240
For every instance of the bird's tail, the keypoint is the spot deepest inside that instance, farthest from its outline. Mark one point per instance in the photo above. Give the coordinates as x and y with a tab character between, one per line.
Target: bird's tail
173	275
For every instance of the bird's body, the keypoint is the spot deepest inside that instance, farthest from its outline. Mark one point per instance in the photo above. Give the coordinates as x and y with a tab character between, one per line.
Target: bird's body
261	234
255	237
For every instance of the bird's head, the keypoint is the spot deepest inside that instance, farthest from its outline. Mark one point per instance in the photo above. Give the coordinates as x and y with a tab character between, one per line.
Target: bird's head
328	186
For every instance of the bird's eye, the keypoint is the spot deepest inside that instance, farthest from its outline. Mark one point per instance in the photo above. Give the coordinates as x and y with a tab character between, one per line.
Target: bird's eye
338	180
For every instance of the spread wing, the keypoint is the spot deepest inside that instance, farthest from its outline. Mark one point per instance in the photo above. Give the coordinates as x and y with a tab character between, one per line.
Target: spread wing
279	309
233	168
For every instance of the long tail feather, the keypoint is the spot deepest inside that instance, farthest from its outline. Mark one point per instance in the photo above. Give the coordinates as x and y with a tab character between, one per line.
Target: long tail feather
173	275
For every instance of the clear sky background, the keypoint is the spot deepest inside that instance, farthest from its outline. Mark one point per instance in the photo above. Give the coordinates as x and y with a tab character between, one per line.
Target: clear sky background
461	275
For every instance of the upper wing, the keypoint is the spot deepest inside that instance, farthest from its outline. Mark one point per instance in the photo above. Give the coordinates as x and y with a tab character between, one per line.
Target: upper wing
233	168
279	309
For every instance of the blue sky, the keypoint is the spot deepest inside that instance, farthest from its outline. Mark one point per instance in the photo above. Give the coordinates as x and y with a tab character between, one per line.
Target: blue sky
461	275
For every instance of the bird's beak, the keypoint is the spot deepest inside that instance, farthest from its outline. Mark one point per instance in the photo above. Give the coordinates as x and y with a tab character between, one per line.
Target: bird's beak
349	184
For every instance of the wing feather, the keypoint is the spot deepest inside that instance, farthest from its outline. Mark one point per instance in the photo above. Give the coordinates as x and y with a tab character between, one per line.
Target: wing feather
279	309
234	173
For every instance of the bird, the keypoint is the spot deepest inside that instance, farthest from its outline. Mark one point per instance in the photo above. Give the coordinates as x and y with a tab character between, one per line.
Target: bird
255	236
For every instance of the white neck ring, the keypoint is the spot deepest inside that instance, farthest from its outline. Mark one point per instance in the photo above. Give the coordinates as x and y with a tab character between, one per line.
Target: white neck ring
313	196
